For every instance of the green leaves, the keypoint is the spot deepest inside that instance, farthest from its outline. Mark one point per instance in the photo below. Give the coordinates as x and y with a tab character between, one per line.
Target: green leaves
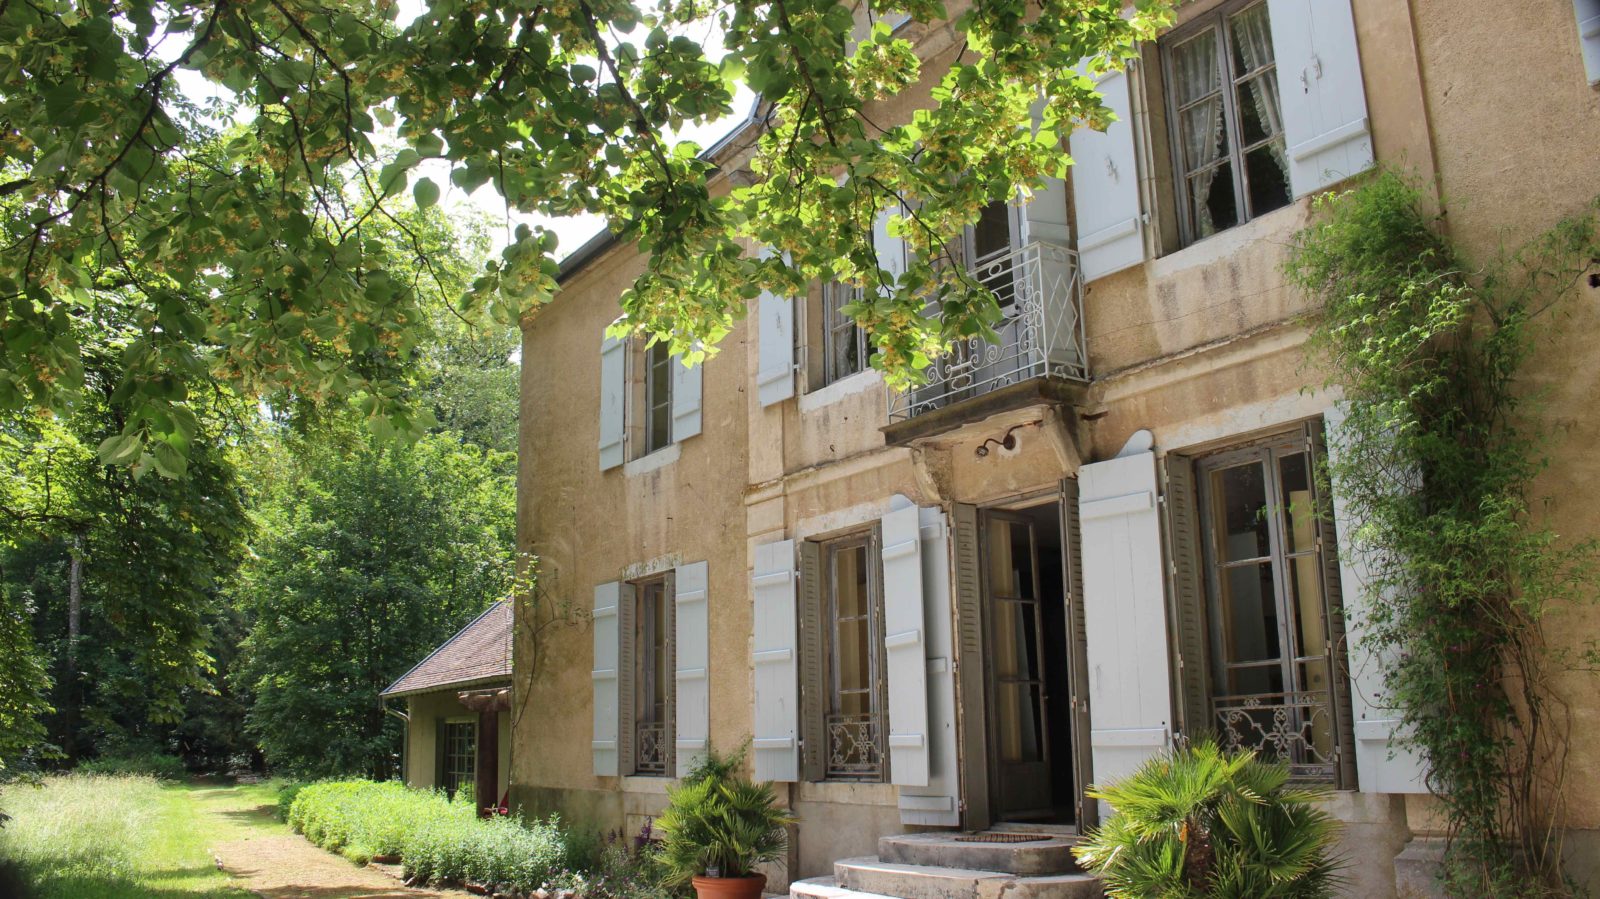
425	192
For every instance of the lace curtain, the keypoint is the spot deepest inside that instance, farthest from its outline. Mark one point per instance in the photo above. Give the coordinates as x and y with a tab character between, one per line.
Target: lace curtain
1195	69
1252	34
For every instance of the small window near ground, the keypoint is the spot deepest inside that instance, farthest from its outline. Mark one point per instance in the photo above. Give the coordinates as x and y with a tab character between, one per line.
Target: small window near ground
1226	119
460	755
853	641
653	677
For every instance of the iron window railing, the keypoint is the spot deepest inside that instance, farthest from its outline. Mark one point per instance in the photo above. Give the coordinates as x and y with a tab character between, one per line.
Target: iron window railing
1296	729
855	748
1040	292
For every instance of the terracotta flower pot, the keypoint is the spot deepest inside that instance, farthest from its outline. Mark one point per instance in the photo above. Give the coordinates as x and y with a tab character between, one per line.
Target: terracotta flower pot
730	887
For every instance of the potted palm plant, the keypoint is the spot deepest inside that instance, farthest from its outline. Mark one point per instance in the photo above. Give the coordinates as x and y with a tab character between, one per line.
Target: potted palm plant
718	826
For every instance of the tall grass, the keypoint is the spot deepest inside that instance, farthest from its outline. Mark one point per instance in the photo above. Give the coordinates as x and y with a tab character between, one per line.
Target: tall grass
90	836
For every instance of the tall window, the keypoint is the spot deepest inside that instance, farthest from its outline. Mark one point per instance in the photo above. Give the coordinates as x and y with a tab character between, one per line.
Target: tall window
460	755
653	677
845	347
1227	124
853	651
1270	605
657	401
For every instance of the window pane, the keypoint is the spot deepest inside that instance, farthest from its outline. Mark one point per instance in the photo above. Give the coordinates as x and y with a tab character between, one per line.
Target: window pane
850	566
1257	102
1299	512
1240	512
1268	173
1194	68
1016	640
1249	613
1021	738
1251	33
1213	207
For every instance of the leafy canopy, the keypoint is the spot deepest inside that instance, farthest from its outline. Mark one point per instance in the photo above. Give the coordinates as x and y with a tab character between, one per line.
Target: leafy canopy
237	236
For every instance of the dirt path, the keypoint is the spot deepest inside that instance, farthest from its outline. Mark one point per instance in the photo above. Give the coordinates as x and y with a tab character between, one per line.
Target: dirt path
255	849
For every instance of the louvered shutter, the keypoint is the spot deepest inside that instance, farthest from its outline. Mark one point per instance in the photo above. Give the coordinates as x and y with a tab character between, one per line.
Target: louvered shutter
692	633
670	736
1319	82
1130	693
1105	184
813	677
1589	36
627	676
775	317
1186	578
970	664
905	655
891	249
1333	582
607	600
776	731
1383	765
613	389
1082	750
685	399
937	804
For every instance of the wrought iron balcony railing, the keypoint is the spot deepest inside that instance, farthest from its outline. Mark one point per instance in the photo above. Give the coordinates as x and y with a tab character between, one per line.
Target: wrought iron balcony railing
855	748
1294	728
1040	292
650	752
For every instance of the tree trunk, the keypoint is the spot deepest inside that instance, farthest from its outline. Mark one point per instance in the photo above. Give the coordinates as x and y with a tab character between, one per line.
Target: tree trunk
74	603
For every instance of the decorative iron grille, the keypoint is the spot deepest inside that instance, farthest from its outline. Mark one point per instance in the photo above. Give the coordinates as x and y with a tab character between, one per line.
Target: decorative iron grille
855	750
650	749
1294	728
1040	292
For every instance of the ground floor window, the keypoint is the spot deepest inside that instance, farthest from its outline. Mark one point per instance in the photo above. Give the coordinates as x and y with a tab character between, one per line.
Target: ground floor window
653	677
1272	603
459	751
842	633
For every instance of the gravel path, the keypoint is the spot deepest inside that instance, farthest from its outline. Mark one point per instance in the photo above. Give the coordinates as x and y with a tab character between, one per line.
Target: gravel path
277	865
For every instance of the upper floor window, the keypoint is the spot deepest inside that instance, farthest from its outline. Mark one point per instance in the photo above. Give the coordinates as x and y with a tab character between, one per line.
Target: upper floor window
655	398
652	677
1226	119
846	349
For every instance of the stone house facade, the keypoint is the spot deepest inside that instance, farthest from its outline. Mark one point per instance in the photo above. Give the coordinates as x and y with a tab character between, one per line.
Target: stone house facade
955	608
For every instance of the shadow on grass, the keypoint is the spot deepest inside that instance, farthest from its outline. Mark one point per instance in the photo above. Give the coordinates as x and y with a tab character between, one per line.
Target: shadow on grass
111	886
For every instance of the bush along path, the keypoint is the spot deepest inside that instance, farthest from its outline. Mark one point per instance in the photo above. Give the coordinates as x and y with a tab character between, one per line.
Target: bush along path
265	859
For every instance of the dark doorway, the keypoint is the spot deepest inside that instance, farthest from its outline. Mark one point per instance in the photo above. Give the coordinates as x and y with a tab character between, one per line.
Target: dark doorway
1029	679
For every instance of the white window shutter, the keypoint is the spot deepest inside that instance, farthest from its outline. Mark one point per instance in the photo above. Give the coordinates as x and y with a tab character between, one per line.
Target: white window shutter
685	399
938	803
905	656
693	701
1324	101
891	249
613	389
607	600
774	345
1105	183
1589	36
1382	765
773	645
1124	608
1044	218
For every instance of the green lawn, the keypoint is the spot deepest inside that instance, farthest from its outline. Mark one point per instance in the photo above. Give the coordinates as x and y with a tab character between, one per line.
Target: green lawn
94	837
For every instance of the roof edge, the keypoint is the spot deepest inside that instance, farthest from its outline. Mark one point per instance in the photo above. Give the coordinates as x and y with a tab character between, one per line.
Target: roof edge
390	691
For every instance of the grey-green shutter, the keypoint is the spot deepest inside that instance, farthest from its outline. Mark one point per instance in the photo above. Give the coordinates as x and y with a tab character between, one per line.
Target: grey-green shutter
440	746
669	735
1186	587
1333	590
969	667
813	673
1077	643
627	656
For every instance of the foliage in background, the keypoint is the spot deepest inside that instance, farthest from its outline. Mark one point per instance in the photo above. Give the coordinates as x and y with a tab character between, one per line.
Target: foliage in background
1200	823
23	687
149	764
439	840
240	234
720	824
1437	459
371	554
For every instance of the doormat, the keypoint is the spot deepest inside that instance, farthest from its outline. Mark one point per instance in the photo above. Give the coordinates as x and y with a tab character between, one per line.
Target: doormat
987	837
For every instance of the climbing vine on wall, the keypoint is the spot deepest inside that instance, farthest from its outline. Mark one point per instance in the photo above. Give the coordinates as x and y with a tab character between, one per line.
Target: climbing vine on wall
1439	453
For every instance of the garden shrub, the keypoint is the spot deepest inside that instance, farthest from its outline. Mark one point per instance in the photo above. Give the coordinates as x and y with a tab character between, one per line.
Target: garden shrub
286	796
136	764
1201	823
439	840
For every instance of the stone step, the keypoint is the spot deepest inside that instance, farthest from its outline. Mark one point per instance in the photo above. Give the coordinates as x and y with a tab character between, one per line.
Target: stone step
827	888
869	875
1050	854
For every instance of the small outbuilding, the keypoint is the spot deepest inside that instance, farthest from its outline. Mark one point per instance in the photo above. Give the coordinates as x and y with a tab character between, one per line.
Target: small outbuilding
458	711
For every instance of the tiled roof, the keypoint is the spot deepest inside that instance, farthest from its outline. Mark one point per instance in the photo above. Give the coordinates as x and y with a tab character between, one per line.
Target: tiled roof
478	653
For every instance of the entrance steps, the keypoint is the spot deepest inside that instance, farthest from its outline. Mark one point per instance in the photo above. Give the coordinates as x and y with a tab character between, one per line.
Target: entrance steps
938	866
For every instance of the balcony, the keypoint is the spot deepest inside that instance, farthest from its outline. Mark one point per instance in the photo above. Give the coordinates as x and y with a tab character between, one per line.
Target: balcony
1040	355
